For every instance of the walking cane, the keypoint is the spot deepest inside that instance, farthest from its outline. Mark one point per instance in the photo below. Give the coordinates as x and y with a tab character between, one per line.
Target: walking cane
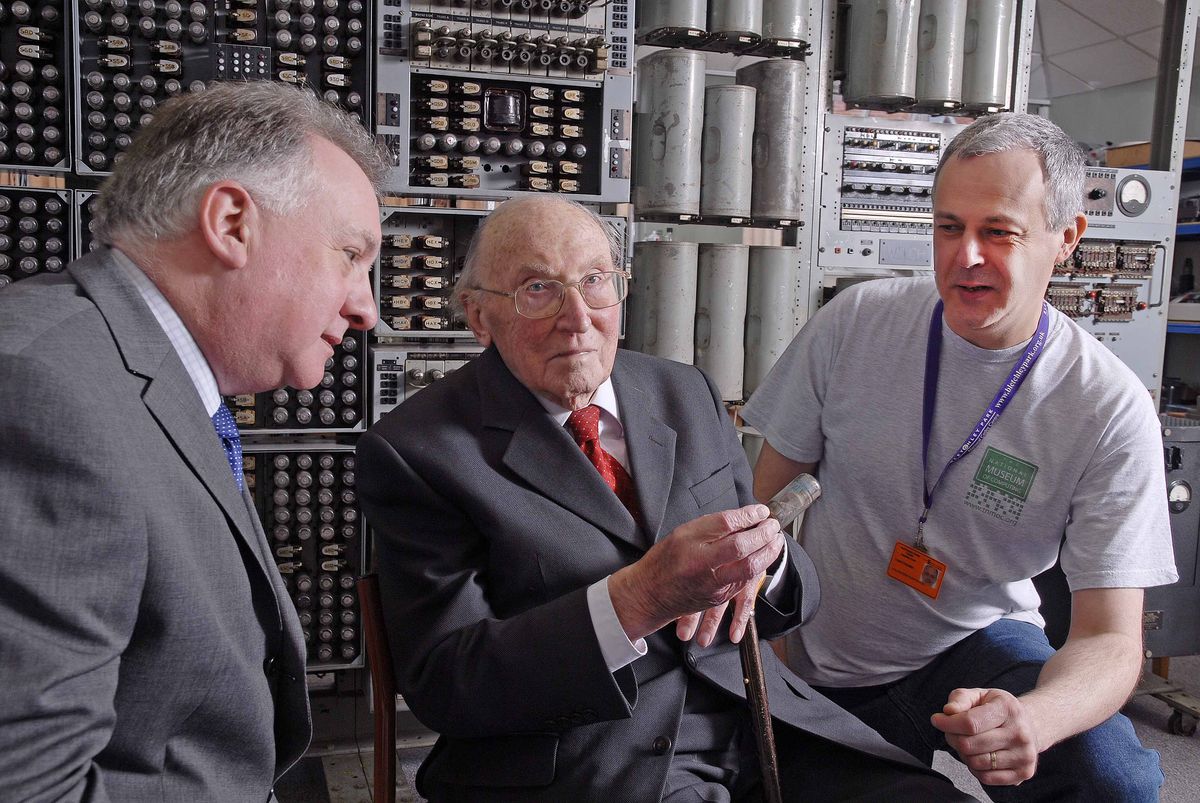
786	506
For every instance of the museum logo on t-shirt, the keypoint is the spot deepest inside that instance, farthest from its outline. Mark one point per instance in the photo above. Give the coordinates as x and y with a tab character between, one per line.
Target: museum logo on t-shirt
1001	485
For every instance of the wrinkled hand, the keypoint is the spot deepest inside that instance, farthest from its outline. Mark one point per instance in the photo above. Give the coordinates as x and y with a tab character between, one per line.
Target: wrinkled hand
703	625
693	574
982	723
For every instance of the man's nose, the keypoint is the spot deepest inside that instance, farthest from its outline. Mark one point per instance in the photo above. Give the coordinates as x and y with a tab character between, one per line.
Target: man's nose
575	313
970	252
359	308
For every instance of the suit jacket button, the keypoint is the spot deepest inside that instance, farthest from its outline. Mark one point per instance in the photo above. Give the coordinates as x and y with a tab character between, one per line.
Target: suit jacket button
661	745
691	660
269	666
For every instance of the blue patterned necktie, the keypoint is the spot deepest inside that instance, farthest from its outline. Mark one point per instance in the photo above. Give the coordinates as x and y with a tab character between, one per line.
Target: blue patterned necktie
227	430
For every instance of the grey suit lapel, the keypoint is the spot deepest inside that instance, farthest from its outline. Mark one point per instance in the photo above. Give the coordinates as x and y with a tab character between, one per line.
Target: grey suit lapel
543	454
170	395
172	400
651	445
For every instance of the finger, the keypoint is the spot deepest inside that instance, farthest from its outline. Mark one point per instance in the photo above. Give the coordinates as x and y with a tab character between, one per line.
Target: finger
725	522
710	623
994	740
962	699
1001	767
743	609
985	716
952	718
744	566
685	626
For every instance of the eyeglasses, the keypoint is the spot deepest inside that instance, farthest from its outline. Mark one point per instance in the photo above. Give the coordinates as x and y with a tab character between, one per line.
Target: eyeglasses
543	298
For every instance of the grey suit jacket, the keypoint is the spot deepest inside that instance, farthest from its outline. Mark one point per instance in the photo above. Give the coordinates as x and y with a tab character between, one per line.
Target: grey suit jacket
490	524
147	646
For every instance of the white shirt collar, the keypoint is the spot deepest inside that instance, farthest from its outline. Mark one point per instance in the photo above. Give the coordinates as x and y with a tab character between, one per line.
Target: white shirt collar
604	398
181	339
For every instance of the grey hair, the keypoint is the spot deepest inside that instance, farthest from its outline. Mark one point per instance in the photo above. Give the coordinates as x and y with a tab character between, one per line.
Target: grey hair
256	133
468	277
1062	159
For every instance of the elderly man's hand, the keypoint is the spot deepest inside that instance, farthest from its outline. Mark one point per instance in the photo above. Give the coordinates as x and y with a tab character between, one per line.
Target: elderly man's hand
693	573
704	624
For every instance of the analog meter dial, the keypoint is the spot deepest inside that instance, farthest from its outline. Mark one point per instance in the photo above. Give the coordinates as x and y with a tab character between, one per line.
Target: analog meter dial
1133	195
1179	496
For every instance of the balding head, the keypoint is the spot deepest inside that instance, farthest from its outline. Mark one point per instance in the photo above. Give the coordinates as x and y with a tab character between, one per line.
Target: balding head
545	244
537	216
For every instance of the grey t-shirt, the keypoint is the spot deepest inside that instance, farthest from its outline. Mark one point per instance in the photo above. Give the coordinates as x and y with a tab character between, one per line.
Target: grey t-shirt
1078	449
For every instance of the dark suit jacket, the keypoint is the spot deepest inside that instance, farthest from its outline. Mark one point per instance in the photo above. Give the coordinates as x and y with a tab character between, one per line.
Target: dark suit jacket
147	645
490	524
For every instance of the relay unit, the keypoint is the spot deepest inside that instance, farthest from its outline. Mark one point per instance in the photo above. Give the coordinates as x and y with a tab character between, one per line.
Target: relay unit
307	498
1115	285
492	99
876	210
35	232
134	54
401	371
34	68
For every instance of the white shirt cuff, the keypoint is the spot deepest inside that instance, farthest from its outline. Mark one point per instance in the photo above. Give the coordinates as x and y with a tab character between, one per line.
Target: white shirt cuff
772	594
615	646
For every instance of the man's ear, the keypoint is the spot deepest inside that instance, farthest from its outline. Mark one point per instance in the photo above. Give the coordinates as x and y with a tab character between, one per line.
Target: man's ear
227	220
1071	237
475	319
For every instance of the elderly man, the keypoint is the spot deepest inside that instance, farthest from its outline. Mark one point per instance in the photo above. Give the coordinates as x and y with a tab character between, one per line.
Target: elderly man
545	513
943	496
148	646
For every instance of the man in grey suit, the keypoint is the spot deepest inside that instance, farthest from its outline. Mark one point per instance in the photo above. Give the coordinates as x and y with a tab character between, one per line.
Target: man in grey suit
147	645
529	570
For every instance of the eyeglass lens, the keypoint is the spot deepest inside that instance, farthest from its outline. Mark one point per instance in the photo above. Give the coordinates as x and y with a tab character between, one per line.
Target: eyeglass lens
544	297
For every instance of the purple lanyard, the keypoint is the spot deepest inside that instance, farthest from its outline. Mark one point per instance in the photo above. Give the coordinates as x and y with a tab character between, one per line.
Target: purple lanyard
933	354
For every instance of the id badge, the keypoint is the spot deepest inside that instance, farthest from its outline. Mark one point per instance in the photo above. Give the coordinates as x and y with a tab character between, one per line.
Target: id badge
916	569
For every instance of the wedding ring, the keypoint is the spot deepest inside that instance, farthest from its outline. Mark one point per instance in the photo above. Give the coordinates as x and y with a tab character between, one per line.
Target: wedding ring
992	759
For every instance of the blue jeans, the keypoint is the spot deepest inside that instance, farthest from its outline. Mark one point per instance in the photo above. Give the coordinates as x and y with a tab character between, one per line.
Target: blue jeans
1106	763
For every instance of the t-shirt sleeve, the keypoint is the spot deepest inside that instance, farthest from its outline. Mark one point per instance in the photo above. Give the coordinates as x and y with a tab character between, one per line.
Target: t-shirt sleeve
1118	530
786	408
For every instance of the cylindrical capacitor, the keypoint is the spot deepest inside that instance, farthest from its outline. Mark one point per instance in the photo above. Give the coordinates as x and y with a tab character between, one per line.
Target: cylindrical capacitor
721	315
662	300
726	177
786	20
684	14
987	54
778	150
881	65
669	121
771	309
735	17
940	35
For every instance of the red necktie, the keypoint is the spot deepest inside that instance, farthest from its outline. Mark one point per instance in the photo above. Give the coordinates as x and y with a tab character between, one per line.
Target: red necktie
584	425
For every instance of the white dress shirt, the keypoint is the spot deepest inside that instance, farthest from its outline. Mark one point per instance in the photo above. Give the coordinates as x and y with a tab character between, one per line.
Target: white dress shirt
182	340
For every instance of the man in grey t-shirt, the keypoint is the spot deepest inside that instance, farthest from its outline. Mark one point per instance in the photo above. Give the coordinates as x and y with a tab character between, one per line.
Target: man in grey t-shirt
963	430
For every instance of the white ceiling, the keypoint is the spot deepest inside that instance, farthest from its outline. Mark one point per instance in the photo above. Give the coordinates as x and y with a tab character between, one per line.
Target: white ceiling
1081	45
